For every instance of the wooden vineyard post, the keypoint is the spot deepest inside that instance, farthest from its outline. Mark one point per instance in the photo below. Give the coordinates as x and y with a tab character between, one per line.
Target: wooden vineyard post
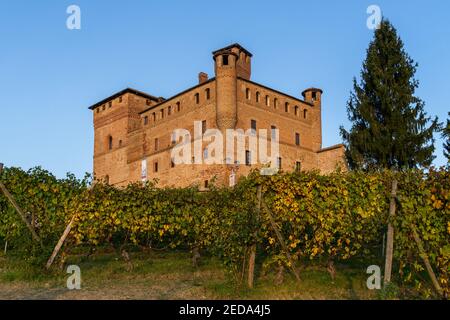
424	257
390	235
281	240
19	210
252	256
60	243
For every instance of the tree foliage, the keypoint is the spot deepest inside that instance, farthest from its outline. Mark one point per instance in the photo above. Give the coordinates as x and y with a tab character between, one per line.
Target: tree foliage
390	128
446	135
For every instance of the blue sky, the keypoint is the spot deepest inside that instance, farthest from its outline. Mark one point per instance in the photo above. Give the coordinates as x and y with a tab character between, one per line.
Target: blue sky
50	75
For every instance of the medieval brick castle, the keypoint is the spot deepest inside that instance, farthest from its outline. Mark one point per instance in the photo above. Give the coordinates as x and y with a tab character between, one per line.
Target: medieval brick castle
133	129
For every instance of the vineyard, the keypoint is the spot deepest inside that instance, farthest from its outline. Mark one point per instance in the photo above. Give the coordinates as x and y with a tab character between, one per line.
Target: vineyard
278	222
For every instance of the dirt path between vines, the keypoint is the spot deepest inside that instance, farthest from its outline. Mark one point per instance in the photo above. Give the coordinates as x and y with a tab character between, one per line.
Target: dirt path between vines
109	291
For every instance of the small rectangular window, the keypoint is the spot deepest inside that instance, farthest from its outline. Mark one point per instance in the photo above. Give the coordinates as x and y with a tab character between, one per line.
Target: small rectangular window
279	163
286	107
145	120
248	157
162	113
297	139
206	183
208	94
120	99
253	126
178	106
155	167
197	98
298	166
225	60
273	131
156	144
172	163
110	104
169	110
147	102
154	116
203	126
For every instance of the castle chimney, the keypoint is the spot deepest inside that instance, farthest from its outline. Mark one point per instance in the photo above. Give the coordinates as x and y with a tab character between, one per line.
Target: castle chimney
202	77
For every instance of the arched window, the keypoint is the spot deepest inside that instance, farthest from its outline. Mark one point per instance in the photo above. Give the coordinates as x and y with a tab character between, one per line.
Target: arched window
258	95
267	100
197	98
208	93
247	94
296	110
304	113
110	142
275	103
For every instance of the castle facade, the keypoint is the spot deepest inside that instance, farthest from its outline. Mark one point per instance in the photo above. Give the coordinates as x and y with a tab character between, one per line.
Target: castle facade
134	131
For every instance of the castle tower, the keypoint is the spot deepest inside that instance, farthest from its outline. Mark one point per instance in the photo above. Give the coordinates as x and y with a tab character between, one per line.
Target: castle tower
230	63
314	96
114	119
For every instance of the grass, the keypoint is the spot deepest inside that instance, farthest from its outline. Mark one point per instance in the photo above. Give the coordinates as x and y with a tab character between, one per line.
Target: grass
170	275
